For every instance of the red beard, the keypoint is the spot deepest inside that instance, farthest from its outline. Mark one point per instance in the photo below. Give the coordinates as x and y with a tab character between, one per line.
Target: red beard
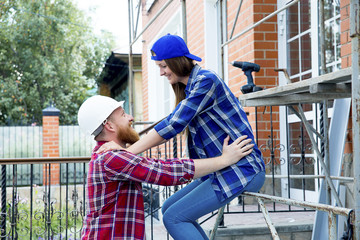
127	135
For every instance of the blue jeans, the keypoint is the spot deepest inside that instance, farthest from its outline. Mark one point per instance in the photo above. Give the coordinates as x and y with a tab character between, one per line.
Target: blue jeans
183	208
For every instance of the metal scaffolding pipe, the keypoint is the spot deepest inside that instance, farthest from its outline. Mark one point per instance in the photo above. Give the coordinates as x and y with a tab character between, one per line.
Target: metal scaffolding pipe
321	160
274	234
310	205
261	21
183	19
217	222
236	18
131	75
339	178
150	22
354	34
310	126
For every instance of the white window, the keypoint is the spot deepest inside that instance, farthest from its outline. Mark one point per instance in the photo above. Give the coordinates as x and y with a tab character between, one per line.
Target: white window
148	4
301	57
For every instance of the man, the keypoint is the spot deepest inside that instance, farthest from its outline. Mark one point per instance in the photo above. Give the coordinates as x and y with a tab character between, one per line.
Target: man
115	207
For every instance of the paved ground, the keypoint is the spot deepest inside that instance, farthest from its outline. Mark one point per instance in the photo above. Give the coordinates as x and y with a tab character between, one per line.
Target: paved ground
241	219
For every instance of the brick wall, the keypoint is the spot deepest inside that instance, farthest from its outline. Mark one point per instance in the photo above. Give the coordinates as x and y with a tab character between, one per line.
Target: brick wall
195	29
148	36
345	42
259	46
51	144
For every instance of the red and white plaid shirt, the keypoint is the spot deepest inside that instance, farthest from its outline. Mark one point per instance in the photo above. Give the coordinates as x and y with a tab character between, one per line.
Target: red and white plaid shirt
115	207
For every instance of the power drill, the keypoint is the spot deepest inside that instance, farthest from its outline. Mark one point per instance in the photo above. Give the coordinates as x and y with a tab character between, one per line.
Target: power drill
248	68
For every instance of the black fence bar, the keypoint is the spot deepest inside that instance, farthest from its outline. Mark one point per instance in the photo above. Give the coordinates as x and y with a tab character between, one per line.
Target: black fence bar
3	201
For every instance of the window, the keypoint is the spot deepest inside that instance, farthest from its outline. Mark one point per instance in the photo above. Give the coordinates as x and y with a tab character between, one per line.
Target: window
148	4
301	58
332	35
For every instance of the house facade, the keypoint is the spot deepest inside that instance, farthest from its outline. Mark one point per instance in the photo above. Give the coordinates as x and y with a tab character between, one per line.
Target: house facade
285	41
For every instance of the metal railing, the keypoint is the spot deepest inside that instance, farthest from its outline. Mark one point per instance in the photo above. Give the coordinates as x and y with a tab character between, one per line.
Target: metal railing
48	211
331	210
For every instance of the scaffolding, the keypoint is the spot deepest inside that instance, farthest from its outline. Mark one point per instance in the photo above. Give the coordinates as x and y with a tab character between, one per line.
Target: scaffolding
336	85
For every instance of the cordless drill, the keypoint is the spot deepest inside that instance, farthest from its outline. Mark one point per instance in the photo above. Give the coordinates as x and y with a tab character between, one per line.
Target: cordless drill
248	68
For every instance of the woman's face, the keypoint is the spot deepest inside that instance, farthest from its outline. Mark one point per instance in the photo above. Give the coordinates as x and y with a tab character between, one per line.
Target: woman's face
166	71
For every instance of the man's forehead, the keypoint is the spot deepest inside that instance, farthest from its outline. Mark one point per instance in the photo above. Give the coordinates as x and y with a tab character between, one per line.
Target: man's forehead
121	110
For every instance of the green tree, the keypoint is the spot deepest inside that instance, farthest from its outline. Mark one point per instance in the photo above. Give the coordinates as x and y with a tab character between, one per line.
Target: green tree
48	55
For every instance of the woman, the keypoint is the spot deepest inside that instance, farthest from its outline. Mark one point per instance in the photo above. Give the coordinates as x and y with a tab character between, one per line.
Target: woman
210	112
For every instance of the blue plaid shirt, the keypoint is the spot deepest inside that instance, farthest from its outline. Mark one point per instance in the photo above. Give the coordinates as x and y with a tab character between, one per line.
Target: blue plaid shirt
212	112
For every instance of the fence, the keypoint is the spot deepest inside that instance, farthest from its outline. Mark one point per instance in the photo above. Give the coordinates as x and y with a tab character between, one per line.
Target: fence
33	208
26	142
42	211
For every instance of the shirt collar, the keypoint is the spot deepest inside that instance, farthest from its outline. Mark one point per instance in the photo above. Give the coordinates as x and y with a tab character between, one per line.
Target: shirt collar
99	144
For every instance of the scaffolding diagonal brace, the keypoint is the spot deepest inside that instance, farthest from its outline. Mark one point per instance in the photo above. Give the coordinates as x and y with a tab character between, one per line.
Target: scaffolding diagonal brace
217	222
322	163
310	127
268	221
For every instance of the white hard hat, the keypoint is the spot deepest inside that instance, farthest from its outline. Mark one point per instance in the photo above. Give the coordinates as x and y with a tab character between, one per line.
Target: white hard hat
94	111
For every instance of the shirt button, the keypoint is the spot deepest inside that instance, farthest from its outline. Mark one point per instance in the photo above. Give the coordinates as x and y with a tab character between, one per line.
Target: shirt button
183	180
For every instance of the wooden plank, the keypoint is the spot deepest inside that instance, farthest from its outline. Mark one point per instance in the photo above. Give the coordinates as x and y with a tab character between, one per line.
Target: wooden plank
291	99
341	76
330	88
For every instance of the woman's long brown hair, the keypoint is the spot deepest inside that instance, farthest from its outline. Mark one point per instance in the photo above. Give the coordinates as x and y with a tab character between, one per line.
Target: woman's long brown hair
182	67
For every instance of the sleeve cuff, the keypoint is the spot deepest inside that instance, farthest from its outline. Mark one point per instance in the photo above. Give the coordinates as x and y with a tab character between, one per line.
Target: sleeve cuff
165	130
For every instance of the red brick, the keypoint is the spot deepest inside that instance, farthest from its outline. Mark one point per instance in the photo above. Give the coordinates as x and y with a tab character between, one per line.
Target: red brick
271	54
345	24
271	36
266	27
265	45
257	36
345	38
267	8
345	13
346	50
259	54
344	3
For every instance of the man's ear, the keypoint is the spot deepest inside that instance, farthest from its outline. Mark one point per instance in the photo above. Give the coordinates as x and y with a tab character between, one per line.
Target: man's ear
109	126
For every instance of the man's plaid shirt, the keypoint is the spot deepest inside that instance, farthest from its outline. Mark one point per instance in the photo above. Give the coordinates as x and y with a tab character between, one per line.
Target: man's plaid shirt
212	112
115	207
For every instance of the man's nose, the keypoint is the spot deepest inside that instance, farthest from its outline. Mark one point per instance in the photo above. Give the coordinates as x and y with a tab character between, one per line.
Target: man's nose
131	118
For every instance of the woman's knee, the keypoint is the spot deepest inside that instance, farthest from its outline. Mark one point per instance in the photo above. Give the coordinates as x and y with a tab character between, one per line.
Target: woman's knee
256	183
164	207
169	218
178	196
